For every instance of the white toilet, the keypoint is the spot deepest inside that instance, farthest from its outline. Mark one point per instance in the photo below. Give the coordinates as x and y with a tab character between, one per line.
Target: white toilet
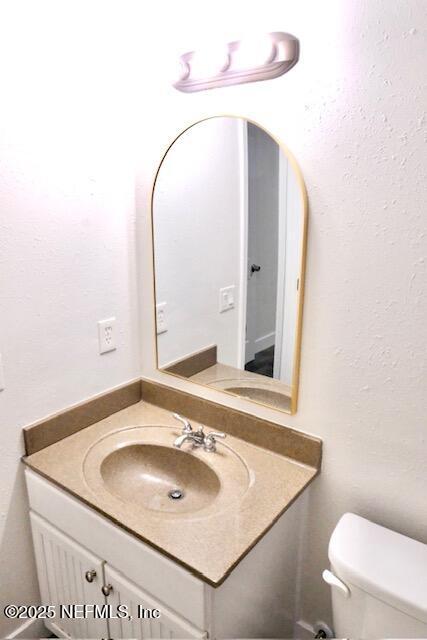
379	581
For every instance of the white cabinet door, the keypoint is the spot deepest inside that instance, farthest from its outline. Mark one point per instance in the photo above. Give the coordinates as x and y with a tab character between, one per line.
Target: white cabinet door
169	625
62	565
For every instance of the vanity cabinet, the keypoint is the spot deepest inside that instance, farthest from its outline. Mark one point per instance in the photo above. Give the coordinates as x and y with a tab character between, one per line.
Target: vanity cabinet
79	552
69	574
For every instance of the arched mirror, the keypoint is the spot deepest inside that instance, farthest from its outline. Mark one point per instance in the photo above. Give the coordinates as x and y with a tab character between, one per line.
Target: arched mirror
229	214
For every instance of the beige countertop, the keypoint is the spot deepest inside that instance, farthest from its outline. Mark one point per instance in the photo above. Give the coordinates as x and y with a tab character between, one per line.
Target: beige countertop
255	487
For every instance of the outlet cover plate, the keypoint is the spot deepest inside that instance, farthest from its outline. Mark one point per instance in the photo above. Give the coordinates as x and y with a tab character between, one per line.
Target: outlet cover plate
106	335
2	382
161	318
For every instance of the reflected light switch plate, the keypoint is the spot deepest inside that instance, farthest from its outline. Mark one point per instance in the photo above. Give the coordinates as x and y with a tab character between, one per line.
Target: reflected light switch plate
226	298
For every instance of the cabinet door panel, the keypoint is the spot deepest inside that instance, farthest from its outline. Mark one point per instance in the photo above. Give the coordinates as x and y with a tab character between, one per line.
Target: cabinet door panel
61	568
169	625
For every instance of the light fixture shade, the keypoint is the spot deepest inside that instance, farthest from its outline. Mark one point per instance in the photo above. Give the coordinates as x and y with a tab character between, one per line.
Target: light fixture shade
206	63
250	60
254	52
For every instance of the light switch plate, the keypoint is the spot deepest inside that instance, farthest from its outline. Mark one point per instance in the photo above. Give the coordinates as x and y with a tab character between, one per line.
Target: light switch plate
226	298
2	381
161	318
106	337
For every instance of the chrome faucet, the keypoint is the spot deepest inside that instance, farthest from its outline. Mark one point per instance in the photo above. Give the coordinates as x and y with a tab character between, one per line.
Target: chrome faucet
197	438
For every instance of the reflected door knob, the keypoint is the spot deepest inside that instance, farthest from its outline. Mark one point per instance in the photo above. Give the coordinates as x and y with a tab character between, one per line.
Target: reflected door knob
255	268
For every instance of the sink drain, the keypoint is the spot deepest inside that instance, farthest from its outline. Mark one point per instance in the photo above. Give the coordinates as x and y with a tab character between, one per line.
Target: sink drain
176	494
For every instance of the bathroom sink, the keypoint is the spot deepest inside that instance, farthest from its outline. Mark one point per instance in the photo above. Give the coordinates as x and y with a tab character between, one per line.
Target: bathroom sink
140	469
160	478
246	384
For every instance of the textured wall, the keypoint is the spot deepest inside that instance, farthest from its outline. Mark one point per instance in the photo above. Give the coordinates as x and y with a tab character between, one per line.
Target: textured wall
352	113
67	252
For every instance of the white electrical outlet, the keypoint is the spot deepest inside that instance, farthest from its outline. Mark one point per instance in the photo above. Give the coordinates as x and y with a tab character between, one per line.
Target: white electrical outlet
2	382
106	337
161	318
226	298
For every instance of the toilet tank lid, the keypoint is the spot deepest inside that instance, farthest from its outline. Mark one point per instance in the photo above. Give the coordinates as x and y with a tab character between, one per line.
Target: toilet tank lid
385	564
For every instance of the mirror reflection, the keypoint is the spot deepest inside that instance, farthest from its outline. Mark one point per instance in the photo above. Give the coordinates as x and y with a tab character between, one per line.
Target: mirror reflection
229	221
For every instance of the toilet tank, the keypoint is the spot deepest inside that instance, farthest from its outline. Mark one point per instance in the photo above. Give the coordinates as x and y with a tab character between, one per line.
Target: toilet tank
379	581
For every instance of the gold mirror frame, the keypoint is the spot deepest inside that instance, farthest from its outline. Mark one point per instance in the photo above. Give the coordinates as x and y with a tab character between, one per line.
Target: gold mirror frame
302	267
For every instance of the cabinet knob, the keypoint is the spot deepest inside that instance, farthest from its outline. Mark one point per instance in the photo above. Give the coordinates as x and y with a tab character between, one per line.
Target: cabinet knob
90	575
106	589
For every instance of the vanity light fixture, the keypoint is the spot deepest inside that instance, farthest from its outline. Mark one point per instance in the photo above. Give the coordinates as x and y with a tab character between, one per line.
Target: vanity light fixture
249	60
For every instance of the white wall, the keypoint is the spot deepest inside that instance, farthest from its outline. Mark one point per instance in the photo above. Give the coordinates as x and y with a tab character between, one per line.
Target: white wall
197	234
67	238
352	113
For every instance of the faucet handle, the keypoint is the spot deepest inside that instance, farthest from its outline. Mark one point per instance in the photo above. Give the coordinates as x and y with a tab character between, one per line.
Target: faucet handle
216	434
210	440
187	426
